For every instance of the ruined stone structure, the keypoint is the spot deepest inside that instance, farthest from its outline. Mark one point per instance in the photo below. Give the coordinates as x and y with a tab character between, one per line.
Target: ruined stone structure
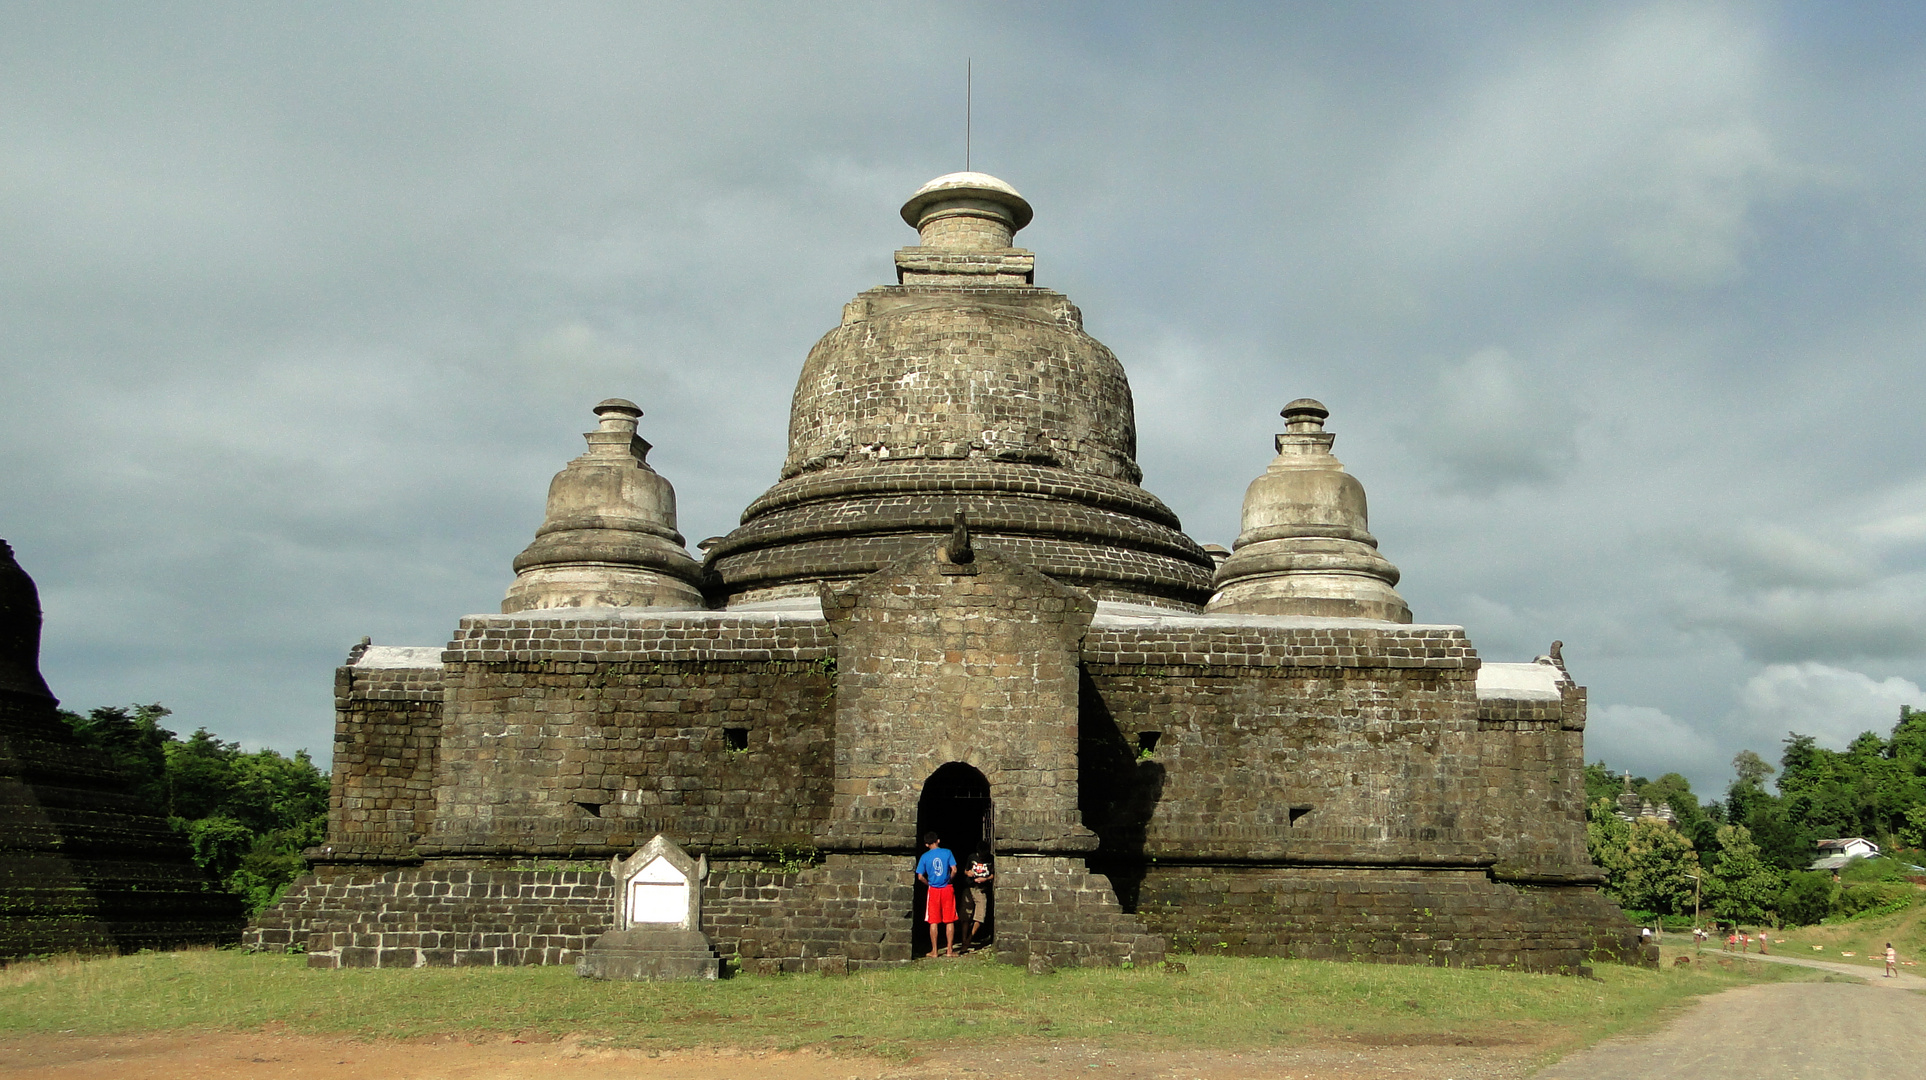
958	611
84	865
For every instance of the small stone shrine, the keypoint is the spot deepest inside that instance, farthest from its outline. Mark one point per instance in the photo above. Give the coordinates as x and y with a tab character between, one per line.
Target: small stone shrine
658	919
957	610
85	865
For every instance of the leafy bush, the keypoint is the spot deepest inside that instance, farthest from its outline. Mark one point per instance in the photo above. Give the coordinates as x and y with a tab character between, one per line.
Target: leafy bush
1806	899
1857	899
1860	871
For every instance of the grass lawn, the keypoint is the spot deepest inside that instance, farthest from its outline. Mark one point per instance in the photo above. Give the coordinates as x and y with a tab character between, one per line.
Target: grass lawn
1220	1002
1865	938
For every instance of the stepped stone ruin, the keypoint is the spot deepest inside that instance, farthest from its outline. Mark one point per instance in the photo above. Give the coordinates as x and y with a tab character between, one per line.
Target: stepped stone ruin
85	866
958	611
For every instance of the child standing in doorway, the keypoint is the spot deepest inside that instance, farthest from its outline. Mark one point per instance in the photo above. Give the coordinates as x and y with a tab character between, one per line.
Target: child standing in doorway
976	884
936	869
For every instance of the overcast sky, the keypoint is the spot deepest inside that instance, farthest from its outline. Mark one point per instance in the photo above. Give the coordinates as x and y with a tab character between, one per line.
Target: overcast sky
1618	309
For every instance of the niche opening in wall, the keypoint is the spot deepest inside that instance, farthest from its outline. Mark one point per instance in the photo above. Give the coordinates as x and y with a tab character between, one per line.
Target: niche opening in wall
1298	812
1147	742
736	739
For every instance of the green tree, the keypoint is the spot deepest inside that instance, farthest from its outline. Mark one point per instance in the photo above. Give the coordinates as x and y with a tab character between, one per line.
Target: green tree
133	739
1659	864
1912	832
1647	863
246	817
200	775
1606	836
1740	885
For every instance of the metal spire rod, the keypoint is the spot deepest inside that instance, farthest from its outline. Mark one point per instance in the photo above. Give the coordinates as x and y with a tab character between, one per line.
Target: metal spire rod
969	102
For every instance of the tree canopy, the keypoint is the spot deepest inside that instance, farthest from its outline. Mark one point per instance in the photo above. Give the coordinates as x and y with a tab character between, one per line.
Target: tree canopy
1752	848
245	816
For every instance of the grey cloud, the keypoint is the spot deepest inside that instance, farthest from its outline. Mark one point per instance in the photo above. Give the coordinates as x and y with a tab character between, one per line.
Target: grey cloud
303	307
1494	422
1776	556
1784	625
1831	703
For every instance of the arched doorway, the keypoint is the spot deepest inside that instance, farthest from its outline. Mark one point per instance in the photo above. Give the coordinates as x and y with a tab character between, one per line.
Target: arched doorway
956	806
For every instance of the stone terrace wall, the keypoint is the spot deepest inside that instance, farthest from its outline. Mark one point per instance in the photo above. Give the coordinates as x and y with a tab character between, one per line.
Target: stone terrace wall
387	724
1433	916
572	735
416	917
1321	742
849	913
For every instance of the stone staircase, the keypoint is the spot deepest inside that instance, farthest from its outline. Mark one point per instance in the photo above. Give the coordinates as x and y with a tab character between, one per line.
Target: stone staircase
1053	912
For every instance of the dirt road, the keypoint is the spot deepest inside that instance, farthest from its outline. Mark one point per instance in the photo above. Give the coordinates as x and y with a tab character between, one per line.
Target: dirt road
1862	1026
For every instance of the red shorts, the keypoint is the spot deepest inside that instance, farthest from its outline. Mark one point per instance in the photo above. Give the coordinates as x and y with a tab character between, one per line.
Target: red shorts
941	907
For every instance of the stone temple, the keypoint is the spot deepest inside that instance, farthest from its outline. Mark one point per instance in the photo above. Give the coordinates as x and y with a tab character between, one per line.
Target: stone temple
958	610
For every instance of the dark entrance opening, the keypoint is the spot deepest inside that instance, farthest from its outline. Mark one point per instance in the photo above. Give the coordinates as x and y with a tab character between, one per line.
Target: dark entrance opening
956	807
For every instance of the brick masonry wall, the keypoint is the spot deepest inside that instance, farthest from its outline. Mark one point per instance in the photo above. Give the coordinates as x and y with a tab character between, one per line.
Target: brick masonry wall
1053	912
1533	762
576	737
1320	743
846	913
1321	776
386	729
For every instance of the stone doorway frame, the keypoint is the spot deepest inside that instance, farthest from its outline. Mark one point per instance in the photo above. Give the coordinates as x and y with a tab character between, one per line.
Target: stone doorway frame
958	782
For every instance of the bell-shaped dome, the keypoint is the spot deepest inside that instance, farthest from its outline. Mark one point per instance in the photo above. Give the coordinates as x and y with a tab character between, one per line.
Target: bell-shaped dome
962	386
19	630
609	538
1305	548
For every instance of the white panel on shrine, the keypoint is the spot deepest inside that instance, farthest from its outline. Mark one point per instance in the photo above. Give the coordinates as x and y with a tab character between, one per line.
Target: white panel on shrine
659	893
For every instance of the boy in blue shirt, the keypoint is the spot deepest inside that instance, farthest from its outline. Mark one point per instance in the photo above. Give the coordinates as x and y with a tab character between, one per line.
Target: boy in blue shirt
936	869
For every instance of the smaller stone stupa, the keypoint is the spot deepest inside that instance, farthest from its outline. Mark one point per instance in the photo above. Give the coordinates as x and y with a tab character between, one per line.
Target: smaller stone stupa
1305	548
609	538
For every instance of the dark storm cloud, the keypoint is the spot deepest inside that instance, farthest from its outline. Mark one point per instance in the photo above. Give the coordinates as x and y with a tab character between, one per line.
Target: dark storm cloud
1617	309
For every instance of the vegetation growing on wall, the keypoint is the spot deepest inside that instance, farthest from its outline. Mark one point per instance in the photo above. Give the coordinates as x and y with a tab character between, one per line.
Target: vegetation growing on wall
245	816
1750	851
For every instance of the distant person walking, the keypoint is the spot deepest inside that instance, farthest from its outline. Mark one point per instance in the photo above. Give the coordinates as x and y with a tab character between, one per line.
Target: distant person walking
1892	962
1763	942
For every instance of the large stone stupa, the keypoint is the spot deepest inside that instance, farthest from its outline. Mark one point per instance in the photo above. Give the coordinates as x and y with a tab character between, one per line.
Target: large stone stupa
963	384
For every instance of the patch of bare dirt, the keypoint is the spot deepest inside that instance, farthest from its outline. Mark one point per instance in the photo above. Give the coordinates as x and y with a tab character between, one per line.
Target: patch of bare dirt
280	1056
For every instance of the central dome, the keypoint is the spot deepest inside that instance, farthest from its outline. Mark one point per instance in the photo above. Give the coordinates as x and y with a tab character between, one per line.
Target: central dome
963	386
